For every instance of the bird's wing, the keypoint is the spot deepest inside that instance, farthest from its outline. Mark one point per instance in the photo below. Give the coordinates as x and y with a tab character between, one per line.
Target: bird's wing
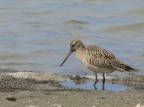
99	52
99	57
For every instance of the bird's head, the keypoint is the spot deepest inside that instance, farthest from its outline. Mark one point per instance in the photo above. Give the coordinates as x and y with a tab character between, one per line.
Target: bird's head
74	46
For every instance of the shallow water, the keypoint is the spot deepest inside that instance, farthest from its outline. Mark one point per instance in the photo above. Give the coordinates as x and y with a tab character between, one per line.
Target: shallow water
35	35
89	86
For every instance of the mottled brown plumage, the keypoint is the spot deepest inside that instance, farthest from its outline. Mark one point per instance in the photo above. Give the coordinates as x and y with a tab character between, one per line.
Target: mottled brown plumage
98	60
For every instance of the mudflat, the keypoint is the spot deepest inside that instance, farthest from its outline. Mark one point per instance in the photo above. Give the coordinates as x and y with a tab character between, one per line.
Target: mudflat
31	91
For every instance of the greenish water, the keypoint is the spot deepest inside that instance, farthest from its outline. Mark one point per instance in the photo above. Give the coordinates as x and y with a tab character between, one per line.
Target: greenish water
35	34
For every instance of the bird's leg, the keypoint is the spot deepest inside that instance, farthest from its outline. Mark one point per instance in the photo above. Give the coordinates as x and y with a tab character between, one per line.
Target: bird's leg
103	87
96	80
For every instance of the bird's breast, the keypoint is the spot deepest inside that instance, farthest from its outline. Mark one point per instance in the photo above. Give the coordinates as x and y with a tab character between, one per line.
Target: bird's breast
80	55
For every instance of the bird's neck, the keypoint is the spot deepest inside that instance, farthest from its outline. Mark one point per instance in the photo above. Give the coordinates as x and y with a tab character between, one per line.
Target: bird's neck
79	53
82	46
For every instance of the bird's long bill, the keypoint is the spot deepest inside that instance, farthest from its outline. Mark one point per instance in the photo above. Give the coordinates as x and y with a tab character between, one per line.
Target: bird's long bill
66	57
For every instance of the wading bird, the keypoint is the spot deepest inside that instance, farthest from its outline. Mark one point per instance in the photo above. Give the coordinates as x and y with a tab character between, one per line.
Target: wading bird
96	59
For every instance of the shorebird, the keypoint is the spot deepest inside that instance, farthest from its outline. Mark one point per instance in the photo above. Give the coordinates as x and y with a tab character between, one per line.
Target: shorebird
96	59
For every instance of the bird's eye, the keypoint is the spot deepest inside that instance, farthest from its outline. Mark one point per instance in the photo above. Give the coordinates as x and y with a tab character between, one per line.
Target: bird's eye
73	45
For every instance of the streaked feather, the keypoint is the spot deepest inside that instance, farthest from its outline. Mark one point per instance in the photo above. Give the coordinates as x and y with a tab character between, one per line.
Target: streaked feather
101	58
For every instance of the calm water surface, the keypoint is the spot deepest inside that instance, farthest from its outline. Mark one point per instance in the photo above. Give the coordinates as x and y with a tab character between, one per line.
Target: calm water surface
35	34
89	86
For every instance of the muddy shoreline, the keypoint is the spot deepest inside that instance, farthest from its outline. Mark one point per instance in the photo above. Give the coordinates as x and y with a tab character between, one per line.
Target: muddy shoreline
33	89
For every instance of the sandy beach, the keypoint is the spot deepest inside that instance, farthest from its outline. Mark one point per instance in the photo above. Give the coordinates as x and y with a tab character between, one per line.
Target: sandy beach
31	89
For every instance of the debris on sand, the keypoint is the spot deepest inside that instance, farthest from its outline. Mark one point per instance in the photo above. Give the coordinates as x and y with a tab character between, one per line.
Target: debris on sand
11	98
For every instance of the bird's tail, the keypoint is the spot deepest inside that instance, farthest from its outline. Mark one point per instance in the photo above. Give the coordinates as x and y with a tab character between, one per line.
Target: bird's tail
128	68
118	65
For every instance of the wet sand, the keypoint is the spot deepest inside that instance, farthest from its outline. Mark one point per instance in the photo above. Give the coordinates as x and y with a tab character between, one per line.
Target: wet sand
45	90
73	98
